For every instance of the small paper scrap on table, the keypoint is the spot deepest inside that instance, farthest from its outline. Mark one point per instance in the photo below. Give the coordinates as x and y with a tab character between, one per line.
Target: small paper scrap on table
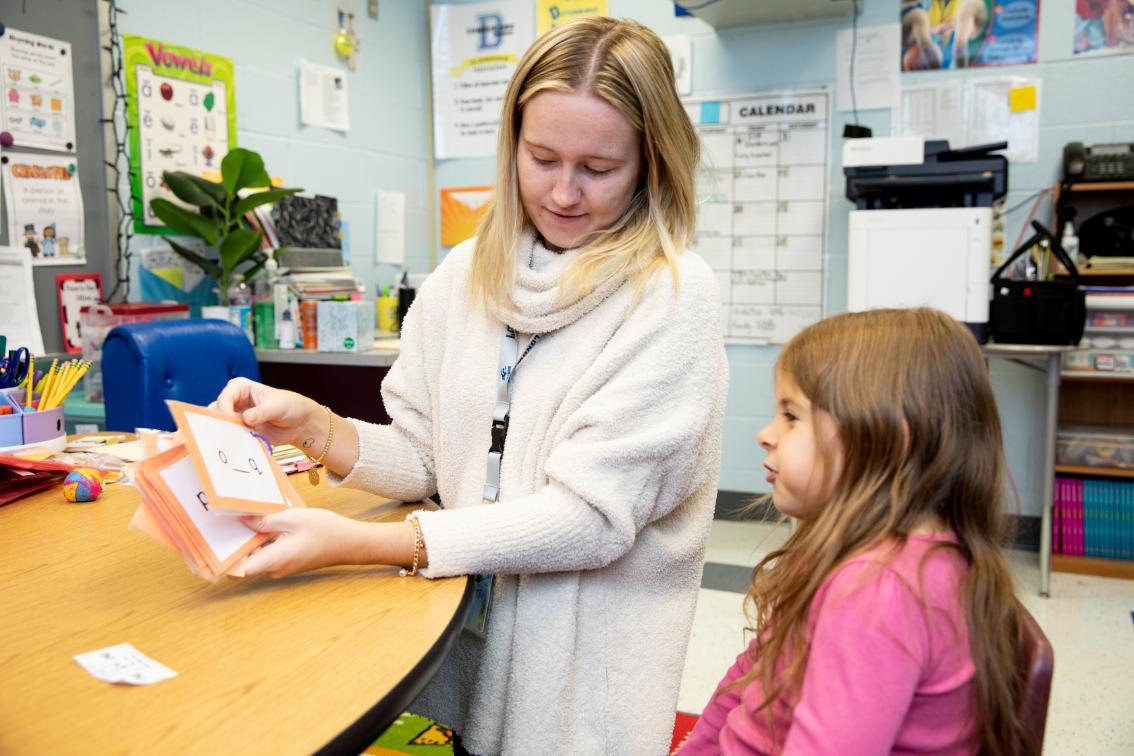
124	664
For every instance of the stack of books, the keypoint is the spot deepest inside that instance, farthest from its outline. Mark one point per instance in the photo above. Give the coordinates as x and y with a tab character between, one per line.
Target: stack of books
1093	518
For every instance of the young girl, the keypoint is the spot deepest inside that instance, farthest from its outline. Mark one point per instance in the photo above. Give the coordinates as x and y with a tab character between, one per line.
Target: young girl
887	623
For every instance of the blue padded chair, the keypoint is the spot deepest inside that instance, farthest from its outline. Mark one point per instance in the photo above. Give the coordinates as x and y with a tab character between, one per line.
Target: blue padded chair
143	364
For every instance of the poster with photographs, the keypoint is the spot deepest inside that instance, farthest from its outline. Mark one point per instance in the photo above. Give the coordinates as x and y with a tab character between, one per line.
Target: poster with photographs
1104	27
182	118
38	105
45	207
951	34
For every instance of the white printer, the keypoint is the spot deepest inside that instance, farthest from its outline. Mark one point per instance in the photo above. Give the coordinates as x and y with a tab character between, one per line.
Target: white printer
921	233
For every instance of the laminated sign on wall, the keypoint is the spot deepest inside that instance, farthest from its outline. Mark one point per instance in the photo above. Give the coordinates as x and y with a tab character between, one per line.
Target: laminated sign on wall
475	50
762	223
182	117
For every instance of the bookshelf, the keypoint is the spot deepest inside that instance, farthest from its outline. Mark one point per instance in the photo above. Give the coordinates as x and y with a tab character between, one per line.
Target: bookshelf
1096	398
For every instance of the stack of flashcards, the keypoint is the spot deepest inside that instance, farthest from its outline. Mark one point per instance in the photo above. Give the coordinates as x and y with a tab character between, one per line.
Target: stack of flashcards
193	494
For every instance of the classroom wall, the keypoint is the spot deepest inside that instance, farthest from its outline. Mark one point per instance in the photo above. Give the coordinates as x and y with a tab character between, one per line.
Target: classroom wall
74	21
387	145
1081	100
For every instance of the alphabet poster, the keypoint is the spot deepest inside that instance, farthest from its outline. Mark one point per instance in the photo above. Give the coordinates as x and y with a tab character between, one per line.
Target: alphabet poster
182	117
475	50
45	207
38	104
762	222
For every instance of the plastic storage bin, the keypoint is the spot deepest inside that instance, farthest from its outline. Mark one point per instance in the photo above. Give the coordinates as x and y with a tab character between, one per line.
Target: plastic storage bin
29	428
95	321
1095	446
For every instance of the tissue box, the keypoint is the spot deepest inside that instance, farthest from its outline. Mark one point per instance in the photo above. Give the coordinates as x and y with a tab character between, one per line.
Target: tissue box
345	326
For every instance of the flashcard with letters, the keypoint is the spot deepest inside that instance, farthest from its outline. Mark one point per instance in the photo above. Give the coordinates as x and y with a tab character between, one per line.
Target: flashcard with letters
193	494
236	469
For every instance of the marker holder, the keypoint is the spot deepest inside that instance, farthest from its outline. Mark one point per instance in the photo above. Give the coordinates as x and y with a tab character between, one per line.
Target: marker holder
26	427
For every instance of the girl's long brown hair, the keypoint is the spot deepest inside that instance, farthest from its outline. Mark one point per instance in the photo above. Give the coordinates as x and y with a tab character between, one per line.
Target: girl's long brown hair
920	434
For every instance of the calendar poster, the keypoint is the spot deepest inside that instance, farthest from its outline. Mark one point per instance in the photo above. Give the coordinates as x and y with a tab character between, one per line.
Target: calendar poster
762	218
182	118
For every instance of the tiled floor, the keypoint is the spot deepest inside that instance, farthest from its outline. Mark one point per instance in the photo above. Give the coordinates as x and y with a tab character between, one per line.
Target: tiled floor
1090	622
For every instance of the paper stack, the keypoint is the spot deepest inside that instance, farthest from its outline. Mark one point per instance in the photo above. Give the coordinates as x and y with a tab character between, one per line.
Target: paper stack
193	494
21	476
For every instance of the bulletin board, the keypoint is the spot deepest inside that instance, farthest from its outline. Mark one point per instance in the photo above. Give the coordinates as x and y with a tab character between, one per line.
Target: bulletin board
77	23
762	217
182	118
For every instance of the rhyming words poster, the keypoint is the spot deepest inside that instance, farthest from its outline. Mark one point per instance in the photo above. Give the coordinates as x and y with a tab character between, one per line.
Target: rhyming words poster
182	118
38	106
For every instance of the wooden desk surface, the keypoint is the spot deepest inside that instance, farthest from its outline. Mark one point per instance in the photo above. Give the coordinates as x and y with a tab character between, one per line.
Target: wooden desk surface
322	660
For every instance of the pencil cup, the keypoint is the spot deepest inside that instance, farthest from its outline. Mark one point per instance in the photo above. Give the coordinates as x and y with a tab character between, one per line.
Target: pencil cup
11	425
43	426
388	313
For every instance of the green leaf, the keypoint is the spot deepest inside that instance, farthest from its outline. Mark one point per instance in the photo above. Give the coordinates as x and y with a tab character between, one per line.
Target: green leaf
238	247
242	168
205	264
187	190
260	198
250	273
185	222
215	189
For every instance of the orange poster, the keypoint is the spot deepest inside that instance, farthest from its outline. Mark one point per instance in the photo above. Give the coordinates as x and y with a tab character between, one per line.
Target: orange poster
462	209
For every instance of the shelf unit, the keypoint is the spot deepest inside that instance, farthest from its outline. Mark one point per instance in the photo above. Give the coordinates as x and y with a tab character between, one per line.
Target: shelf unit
1082	565
1093	397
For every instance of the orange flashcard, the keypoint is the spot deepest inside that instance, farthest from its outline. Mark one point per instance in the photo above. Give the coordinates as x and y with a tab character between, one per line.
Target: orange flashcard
236	471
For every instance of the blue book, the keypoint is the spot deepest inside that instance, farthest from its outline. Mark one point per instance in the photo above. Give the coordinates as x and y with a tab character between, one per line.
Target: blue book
1090	518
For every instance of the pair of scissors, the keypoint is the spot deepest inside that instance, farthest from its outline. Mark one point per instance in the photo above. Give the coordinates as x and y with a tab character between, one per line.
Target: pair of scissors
15	368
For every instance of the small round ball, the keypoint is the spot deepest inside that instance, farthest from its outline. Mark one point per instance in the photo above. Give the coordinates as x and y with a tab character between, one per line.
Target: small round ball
82	484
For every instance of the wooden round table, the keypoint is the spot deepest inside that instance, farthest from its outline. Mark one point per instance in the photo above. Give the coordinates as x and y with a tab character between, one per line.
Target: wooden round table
317	662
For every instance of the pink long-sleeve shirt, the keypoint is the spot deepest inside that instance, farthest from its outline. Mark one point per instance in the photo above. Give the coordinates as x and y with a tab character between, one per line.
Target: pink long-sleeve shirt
889	668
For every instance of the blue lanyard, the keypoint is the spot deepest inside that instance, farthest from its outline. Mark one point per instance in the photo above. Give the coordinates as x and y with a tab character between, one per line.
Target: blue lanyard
509	349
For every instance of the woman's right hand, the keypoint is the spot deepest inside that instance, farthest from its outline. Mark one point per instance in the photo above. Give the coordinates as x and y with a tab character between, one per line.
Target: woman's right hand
282	417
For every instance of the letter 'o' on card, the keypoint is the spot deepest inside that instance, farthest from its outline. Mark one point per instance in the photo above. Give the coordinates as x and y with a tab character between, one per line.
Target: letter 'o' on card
237	472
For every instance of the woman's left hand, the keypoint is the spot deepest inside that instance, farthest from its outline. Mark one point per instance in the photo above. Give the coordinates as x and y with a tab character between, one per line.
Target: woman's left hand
307	539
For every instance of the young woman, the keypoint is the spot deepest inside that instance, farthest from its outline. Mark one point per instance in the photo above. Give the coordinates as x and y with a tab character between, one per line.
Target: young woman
887	623
561	384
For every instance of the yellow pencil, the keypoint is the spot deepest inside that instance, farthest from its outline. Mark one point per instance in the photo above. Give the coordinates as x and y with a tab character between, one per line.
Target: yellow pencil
60	381
31	382
76	374
48	383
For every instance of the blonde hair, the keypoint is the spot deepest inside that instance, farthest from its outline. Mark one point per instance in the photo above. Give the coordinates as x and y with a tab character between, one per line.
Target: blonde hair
628	67
920	437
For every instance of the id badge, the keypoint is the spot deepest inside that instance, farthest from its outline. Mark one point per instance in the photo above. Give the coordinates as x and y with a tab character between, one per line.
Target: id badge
477	620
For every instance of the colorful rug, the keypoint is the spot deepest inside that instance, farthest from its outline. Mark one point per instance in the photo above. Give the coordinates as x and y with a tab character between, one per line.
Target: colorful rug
414	734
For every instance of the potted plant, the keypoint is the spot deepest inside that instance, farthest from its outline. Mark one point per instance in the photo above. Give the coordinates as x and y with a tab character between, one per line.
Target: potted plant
219	219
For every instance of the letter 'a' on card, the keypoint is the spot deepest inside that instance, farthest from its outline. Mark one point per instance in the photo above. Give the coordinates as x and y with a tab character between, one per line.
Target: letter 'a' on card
236	470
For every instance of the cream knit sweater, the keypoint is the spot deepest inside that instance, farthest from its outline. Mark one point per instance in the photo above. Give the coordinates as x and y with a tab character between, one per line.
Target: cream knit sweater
608	484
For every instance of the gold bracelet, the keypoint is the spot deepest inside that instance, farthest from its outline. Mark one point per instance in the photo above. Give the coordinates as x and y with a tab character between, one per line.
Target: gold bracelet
313	473
417	546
